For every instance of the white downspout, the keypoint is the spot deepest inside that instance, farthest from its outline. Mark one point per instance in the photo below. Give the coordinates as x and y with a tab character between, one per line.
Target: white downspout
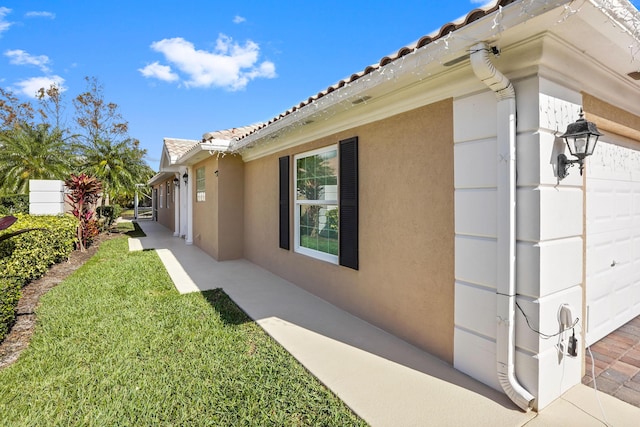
176	207
506	224
189	212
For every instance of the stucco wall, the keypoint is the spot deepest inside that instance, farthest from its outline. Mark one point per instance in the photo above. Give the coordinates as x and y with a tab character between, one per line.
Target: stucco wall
166	213
205	213
230	207
405	280
218	220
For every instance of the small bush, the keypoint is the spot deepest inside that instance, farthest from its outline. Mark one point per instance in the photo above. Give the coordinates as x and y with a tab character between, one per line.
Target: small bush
28	256
109	213
9	296
17	203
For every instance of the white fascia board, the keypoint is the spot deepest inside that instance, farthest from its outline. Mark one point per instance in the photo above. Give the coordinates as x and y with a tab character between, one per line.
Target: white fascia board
211	147
428	60
162	176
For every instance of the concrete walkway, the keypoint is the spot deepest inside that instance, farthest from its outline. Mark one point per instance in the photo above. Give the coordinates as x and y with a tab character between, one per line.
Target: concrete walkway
383	379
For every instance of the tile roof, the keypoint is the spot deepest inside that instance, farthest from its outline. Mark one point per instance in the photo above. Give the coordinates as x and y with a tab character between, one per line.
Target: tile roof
229	134
472	16
178	147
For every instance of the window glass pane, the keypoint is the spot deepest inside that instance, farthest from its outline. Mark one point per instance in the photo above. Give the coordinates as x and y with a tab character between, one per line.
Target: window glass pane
319	228
200	185
317	176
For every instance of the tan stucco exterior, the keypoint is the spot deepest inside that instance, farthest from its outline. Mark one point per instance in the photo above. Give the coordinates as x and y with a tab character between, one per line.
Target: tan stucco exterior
166	212
405	283
218	220
610	118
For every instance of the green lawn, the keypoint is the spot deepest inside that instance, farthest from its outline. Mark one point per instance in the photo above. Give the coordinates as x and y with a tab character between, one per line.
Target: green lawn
117	345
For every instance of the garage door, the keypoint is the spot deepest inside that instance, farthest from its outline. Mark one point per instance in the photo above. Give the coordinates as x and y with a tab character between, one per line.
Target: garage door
613	238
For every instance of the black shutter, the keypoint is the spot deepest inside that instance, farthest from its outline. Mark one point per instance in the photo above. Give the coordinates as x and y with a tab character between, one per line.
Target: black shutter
348	230
284	202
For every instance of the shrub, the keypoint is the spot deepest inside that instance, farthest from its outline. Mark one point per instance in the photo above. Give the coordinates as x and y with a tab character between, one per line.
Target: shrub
109	213
28	256
9	296
84	192
17	203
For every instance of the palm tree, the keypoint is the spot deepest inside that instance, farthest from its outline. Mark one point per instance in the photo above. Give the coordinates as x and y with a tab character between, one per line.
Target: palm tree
118	164
32	152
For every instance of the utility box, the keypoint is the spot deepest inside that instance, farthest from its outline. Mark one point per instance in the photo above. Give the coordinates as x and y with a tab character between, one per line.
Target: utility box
46	197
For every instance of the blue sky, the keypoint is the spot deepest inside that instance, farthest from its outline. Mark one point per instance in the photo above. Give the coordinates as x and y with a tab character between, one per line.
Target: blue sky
183	68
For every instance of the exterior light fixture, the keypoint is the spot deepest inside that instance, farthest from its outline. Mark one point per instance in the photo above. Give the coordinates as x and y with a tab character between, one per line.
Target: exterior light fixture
216	172
185	178
176	182
581	138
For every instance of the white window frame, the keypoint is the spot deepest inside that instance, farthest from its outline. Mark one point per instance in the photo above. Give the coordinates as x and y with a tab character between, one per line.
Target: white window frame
201	194
298	203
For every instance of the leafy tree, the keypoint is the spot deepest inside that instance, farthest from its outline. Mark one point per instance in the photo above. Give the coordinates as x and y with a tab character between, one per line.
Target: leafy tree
118	164
32	152
108	152
13	112
51	106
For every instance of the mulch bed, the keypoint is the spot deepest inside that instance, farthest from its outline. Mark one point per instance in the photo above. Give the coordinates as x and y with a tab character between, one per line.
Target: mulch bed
19	336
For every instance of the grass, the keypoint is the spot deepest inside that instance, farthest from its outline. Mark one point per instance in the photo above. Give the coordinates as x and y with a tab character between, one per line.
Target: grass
131	229
115	344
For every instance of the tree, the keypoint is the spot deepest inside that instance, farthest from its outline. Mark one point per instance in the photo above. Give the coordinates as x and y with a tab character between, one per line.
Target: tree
13	112
51	106
118	164
108	152
32	152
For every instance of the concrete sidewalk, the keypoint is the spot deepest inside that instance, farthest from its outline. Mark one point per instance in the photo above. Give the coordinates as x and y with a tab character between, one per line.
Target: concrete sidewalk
385	380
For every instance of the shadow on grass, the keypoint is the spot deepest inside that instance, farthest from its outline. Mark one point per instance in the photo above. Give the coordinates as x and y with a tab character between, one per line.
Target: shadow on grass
136	232
230	313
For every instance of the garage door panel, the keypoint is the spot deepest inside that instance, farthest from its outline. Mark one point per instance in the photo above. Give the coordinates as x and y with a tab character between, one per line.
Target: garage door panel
612	239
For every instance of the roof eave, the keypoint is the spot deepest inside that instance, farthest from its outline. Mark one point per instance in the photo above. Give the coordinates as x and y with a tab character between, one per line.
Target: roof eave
204	149
432	56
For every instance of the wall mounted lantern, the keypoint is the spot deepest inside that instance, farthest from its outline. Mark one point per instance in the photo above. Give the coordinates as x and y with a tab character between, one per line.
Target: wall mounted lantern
185	178
176	182
581	138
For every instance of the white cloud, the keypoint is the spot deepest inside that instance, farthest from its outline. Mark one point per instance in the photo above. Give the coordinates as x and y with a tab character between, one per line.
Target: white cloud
238	19
230	65
160	72
30	87
40	14
20	57
4	25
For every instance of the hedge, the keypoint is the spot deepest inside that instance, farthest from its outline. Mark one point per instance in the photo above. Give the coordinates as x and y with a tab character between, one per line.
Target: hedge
11	205
29	255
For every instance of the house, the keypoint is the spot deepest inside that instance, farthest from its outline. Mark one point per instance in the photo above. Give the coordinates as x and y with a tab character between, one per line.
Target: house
423	193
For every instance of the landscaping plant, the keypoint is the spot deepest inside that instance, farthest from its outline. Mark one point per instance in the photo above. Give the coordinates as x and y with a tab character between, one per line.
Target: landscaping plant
84	192
27	256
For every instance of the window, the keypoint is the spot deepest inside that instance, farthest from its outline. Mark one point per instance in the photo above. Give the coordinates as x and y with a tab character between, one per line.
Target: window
326	208
168	193
316	203
161	192
200	185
